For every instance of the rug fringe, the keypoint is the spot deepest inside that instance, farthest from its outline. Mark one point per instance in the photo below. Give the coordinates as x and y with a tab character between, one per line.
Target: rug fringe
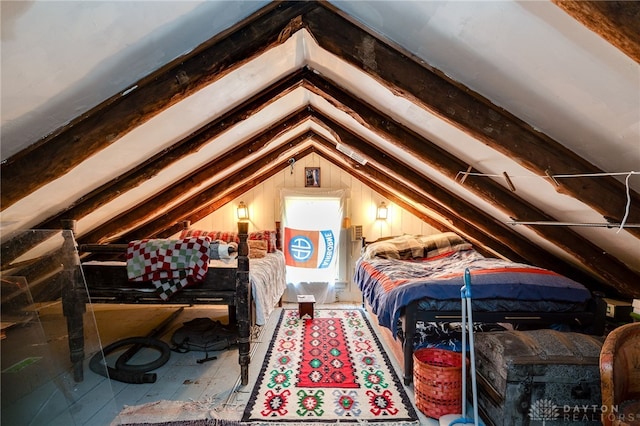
223	422
359	423
197	422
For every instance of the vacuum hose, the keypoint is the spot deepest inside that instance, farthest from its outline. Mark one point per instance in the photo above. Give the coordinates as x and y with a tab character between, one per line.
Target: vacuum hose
130	373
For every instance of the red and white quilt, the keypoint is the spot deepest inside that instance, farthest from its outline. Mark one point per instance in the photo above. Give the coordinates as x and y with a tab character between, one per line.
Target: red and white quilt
170	265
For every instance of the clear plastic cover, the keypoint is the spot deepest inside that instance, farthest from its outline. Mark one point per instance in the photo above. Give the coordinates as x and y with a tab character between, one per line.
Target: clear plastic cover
49	334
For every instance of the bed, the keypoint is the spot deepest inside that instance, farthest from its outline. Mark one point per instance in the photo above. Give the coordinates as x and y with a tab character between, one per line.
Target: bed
250	281
409	281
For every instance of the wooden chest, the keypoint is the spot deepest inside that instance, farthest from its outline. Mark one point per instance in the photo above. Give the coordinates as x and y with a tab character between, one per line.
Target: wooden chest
538	377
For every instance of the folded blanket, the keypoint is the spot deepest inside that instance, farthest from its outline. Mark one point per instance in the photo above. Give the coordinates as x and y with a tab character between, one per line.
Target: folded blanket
170	265
408	247
257	248
219	250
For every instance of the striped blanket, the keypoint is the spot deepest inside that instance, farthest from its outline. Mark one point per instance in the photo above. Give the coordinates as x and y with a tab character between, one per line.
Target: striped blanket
170	265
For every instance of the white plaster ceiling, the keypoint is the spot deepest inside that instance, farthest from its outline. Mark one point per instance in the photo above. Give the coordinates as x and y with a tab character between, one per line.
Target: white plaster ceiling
59	59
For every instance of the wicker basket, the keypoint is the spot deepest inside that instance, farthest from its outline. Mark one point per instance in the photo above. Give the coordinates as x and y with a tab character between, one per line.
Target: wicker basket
437	381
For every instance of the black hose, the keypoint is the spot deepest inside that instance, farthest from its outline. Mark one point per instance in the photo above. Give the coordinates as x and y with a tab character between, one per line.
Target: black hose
130	373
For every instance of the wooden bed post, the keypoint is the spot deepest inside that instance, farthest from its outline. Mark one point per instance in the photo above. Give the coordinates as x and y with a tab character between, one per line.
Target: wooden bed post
278	236
408	331
73	302
243	299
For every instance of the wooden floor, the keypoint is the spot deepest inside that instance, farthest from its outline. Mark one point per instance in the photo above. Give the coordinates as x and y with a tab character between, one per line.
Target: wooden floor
38	388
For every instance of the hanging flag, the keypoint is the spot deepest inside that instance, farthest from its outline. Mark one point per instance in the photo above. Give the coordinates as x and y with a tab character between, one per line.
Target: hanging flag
309	249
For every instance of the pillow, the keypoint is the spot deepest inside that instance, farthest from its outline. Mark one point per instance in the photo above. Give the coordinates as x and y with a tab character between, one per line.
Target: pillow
257	253
232	237
406	247
383	249
439	244
257	244
402	247
268	236
227	237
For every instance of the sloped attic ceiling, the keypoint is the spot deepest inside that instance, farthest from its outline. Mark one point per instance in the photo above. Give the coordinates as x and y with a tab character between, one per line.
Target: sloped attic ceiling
470	115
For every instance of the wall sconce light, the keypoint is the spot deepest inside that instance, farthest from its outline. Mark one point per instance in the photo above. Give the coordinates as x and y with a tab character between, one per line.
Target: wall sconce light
381	212
243	211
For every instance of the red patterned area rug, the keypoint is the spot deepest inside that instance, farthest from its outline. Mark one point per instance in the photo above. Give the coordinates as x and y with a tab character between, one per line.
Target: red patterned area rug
327	370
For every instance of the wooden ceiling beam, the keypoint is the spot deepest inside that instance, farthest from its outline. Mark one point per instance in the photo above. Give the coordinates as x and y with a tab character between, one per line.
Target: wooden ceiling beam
147	209
395	192
618	22
151	167
209	200
363	112
406	75
588	254
22	243
374	176
503	239
338	35
59	152
169	156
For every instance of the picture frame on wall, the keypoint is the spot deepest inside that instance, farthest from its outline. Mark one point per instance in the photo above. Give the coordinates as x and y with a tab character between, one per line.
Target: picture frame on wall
312	177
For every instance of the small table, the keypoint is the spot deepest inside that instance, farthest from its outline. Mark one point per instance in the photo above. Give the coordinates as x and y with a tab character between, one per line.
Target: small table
305	305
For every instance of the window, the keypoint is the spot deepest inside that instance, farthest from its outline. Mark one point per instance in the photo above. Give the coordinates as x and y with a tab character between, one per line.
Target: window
311	238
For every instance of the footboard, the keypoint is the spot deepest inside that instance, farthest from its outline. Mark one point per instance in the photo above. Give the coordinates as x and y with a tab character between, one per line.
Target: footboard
592	320
108	283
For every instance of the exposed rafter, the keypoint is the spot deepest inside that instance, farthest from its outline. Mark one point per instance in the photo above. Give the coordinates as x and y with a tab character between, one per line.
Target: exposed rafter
147	210
340	36
98	128
618	22
467	110
160	213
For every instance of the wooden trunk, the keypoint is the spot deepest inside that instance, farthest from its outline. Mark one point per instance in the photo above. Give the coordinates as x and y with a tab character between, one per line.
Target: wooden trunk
538	377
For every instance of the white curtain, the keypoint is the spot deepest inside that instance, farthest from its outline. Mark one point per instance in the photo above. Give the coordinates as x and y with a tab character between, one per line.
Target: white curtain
311	222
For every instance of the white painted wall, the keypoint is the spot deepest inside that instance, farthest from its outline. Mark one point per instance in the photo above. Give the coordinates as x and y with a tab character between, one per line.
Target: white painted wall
264	210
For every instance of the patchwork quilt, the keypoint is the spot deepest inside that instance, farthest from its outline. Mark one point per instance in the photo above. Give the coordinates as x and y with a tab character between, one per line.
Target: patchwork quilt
170	265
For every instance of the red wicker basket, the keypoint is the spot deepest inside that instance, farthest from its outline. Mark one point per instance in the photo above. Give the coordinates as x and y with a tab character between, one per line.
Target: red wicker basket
437	381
